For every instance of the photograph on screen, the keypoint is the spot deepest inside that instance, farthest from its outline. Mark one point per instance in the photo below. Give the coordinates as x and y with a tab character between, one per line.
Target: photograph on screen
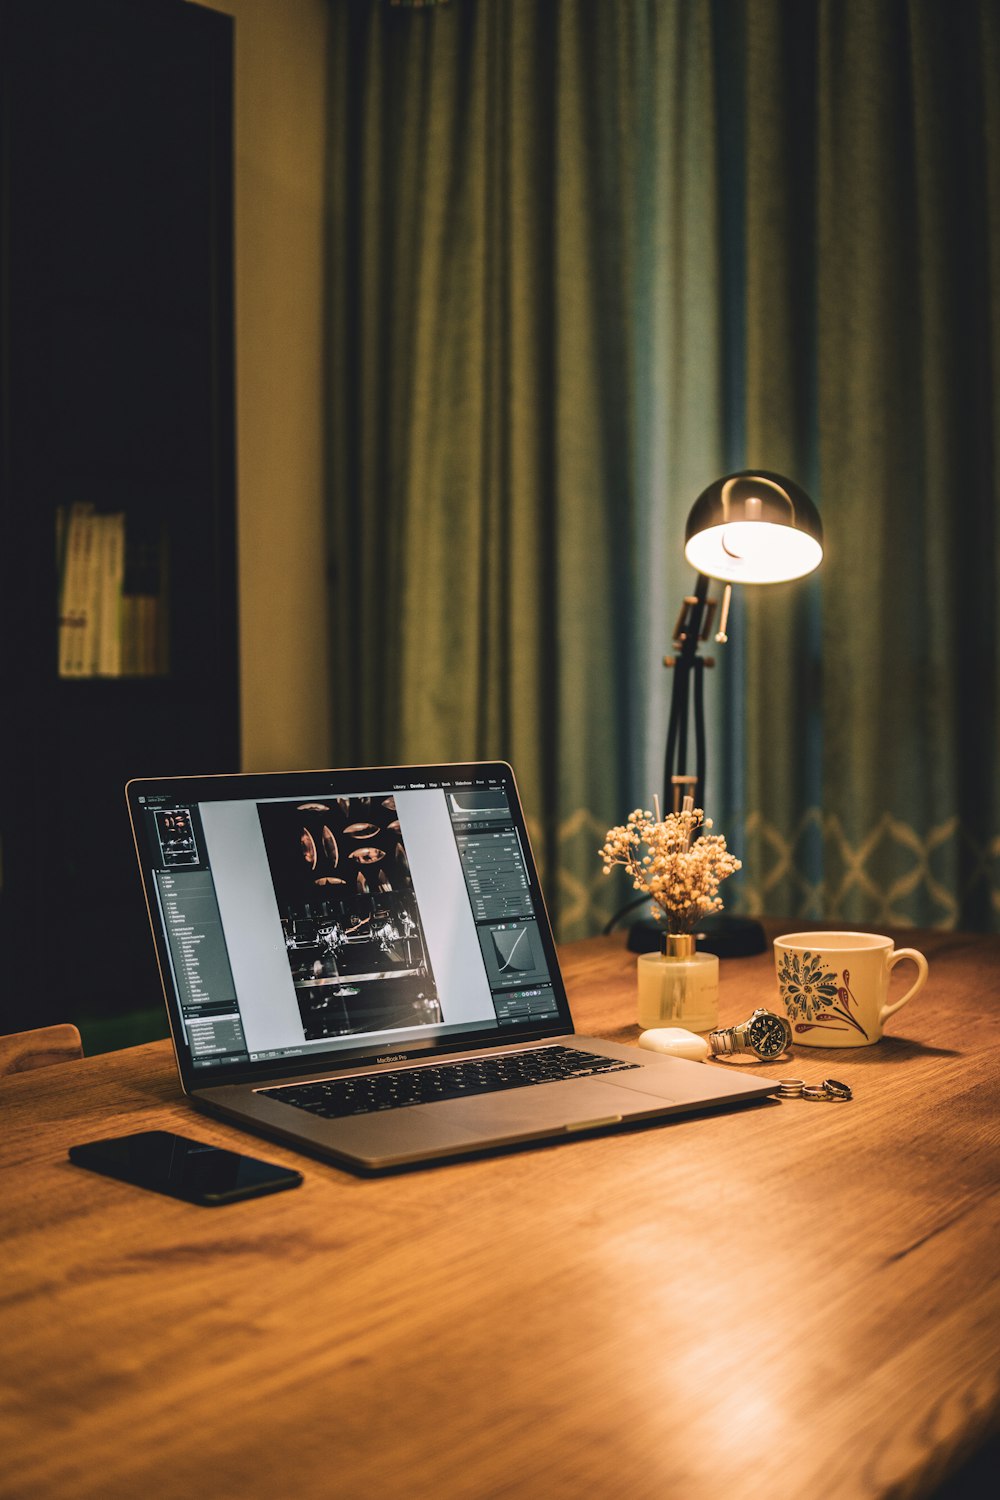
175	831
353	936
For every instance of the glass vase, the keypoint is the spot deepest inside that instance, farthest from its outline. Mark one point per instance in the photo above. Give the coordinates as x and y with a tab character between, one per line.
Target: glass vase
679	987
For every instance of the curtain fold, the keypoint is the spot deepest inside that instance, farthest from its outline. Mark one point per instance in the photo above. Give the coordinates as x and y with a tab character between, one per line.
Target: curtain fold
587	255
524	393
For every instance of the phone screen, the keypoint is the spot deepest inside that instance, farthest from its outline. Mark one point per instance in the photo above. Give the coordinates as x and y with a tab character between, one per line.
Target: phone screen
183	1168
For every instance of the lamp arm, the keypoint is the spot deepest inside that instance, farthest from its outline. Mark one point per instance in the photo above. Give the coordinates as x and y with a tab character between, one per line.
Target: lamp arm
693	624
699	732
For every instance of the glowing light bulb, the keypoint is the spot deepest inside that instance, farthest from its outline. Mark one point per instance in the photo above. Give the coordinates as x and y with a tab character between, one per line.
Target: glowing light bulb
753	552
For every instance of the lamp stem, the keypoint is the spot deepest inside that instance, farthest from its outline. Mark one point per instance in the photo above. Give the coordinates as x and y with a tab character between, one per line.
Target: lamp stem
699	731
690	630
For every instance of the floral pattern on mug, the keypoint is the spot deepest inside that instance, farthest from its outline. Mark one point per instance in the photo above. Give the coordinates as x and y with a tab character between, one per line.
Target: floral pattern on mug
812	991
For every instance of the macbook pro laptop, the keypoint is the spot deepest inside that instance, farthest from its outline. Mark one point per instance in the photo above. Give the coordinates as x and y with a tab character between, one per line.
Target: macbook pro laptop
358	963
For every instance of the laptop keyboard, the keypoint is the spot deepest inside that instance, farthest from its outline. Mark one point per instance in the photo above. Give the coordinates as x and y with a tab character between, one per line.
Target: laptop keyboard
335	1099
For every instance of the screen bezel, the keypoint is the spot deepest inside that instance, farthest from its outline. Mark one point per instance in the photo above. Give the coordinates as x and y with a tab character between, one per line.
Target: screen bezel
257	786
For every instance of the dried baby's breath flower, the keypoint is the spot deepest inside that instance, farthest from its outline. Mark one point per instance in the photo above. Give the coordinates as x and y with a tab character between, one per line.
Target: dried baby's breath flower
680	873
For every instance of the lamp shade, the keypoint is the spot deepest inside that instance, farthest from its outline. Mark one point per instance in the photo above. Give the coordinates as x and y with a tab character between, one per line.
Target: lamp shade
754	527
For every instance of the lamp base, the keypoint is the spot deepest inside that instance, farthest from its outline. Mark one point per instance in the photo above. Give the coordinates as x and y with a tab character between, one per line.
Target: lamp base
724	935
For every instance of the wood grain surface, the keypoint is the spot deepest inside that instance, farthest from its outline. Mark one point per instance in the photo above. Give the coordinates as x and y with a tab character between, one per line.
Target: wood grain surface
796	1299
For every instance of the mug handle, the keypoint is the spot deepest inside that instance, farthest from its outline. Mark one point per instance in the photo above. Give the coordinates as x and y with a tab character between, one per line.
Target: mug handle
921	979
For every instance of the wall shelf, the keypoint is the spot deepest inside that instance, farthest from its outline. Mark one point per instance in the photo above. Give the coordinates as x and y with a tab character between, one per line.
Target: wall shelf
116	340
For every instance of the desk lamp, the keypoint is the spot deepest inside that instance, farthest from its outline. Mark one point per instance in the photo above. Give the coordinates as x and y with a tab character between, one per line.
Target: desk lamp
750	527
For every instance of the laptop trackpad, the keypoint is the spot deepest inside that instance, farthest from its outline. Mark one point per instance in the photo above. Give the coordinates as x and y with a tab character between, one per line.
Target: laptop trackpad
576	1102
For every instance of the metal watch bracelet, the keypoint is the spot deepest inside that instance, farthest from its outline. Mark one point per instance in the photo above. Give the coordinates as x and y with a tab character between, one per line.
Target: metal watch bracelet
726	1040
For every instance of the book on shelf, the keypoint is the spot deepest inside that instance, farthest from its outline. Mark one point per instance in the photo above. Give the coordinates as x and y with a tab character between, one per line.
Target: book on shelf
72	530
112	596
108	655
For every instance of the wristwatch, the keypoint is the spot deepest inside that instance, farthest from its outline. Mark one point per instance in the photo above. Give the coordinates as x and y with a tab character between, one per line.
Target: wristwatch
764	1034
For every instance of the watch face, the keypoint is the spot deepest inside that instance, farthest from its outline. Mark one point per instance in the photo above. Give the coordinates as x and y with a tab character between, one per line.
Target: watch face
767	1035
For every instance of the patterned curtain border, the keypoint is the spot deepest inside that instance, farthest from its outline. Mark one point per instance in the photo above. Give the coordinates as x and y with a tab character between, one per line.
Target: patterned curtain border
861	879
818	873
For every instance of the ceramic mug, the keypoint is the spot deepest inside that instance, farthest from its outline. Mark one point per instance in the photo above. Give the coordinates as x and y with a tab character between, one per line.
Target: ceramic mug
835	985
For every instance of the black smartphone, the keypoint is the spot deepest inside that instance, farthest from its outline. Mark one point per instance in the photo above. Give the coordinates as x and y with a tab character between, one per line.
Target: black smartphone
183	1168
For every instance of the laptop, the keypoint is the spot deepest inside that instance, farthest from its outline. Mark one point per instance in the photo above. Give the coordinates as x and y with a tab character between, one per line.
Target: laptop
358	963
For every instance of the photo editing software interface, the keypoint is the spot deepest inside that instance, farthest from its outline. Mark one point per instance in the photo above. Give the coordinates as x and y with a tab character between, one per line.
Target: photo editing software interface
314	924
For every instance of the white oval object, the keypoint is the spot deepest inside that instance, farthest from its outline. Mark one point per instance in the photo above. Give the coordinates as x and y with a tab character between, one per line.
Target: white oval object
675	1041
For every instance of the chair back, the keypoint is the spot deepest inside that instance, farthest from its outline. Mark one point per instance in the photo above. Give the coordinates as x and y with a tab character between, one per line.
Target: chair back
39	1048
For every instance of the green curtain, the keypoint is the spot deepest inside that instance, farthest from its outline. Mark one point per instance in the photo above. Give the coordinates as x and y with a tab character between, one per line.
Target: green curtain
587	255
872	164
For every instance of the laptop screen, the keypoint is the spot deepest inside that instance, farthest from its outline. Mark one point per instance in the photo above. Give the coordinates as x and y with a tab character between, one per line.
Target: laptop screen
324	917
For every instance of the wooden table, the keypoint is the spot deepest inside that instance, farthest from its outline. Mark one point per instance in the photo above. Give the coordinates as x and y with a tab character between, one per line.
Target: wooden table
799	1299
